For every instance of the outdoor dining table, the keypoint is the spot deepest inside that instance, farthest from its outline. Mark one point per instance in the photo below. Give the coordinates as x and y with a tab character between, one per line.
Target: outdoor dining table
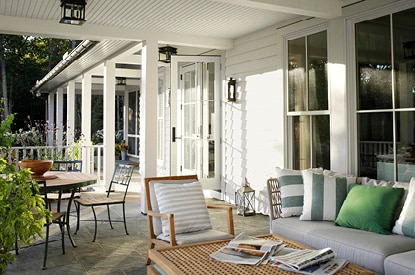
67	182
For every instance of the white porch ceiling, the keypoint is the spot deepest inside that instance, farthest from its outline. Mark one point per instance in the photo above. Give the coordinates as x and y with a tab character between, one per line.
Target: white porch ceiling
121	25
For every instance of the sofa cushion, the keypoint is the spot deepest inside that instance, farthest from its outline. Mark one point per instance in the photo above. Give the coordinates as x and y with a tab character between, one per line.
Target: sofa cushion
291	187
369	208
187	202
323	195
363	248
401	263
405	225
290	183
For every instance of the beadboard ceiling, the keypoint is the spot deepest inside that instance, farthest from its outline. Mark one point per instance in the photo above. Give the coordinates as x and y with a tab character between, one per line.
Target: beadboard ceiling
119	25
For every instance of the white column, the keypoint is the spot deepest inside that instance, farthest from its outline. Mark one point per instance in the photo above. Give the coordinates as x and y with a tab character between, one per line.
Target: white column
86	119
109	120
51	116
148	114
59	116
70	113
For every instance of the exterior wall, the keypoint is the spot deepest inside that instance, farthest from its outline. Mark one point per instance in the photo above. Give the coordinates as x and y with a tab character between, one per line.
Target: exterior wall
254	130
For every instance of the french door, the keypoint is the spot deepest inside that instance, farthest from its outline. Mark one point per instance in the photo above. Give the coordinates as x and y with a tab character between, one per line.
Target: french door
196	118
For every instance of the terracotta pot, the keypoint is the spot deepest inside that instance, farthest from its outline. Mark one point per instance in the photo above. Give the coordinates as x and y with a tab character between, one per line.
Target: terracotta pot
38	167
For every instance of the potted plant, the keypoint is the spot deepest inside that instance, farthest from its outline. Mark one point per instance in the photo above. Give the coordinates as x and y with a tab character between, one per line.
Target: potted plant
122	147
22	208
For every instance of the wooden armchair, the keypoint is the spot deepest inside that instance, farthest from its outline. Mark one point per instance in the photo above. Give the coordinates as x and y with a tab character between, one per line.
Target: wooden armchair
190	195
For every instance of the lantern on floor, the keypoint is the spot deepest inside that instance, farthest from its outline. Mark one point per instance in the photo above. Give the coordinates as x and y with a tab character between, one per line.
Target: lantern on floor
245	200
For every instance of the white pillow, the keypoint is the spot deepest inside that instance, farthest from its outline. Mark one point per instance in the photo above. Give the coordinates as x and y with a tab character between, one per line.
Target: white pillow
405	225
187	202
323	195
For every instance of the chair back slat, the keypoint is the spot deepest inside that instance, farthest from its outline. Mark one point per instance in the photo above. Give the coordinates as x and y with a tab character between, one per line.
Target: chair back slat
122	175
67	165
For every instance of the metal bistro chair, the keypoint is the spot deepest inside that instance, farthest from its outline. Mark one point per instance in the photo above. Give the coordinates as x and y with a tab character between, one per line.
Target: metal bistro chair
65	166
121	176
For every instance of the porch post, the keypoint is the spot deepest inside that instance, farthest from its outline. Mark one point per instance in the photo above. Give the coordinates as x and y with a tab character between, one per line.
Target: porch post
109	120
59	116
70	117
51	117
86	121
148	114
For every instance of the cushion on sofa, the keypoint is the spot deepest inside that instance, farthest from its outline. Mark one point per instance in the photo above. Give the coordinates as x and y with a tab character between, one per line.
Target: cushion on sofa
401	263
405	225
290	183
369	208
291	187
360	247
323	195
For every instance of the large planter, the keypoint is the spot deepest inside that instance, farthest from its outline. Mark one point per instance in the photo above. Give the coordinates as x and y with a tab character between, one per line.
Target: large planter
38	167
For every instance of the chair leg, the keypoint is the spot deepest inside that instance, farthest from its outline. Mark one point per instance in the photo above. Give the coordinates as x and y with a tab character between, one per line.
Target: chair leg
125	223
62	228
109	217
78	215
150	246
95	218
46	247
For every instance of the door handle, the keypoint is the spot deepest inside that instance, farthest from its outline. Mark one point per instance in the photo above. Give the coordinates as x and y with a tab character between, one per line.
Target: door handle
173	134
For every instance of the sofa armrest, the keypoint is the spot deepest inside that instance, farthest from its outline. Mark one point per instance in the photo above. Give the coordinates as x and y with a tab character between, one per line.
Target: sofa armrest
274	199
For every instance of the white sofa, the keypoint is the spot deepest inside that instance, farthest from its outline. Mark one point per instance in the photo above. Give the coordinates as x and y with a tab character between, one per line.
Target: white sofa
387	253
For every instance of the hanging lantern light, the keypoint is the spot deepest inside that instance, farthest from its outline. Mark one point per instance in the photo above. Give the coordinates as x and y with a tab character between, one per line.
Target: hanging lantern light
166	52
73	12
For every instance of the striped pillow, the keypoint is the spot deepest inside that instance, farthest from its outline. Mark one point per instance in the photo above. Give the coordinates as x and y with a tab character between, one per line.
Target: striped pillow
323	196
290	183
405	225
187	202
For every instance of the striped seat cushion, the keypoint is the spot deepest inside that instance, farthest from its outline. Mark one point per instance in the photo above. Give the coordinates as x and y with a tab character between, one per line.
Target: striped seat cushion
323	195
187	202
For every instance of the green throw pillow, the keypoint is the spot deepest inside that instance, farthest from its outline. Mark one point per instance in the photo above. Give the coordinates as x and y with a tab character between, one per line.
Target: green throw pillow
369	208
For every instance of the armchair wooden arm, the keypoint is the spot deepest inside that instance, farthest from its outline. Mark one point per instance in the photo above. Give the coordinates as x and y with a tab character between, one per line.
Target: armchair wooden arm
274	199
228	210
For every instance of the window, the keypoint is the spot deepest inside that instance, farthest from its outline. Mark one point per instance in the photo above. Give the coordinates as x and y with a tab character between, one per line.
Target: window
308	116
385	93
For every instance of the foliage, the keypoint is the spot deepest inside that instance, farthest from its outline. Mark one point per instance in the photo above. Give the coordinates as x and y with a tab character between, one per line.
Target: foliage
22	211
28	59
6	138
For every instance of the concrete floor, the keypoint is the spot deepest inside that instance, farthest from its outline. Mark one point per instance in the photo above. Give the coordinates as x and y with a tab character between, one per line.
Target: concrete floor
113	252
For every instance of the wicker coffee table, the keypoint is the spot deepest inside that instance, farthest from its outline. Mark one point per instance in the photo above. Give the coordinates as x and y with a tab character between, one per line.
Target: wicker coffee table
195	259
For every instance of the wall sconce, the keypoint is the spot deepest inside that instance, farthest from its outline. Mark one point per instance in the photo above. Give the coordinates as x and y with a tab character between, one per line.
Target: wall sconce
121	81
232	90
409	50
166	52
73	12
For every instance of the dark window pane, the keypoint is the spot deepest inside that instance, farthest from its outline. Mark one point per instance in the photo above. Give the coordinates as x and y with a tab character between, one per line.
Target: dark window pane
317	72
404	58
374	67
296	75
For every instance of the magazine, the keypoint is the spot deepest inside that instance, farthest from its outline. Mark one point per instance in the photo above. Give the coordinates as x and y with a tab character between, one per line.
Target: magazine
309	261
245	249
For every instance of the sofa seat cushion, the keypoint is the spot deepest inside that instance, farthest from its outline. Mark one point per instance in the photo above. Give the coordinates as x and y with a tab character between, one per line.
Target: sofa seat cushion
363	248
401	263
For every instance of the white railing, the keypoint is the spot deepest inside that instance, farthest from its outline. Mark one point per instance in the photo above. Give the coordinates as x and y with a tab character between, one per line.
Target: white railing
91	155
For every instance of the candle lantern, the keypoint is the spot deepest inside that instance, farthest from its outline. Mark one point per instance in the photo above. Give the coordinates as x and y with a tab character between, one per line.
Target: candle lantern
245	200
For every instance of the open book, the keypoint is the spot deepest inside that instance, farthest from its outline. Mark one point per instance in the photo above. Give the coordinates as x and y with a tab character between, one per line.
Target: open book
245	249
309	261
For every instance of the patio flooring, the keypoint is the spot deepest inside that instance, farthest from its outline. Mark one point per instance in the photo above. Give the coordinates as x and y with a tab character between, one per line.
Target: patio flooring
113	252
